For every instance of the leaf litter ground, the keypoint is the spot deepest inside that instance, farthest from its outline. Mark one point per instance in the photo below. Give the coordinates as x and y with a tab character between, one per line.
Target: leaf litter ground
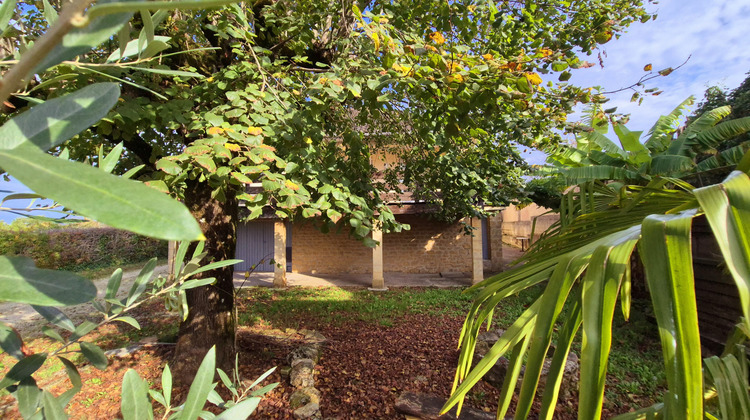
379	345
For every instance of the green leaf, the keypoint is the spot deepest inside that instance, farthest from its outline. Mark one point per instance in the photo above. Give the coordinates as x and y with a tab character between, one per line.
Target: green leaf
665	250
82	329
727	208
94	354
166	384
7	9
241	410
28	395
52	409
50	14
117	202
130	321
23	369
141	282
110	161
192	284
113	285
135	404
55	316
81	40
22	282
49	332
10	341
215	265
168	72
57	120
599	298
202	385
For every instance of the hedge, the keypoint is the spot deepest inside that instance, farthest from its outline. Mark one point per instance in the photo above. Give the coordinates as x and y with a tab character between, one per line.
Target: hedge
77	249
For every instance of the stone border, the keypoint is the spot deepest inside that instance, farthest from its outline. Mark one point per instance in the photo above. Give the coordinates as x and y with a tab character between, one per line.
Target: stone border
305	400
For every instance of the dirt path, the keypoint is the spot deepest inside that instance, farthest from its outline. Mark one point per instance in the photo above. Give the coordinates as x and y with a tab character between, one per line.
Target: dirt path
26	320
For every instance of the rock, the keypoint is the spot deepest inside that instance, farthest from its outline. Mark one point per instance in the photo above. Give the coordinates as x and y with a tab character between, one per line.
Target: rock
569	384
301	375
427	407
310	410
123	352
313	336
284	371
307	351
485	341
304	396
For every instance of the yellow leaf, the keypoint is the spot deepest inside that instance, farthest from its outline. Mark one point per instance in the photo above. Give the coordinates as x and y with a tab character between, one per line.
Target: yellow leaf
533	78
454	78
375	39
546	52
233	147
308	140
437	38
488	57
647	67
215	130
291	185
254	131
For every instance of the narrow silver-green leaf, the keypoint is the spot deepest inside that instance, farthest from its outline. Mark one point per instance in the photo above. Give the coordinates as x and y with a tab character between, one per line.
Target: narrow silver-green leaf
665	250
113	285
28	395
82	329
202	385
55	317
57	120
7	9
108	163
130	321
215	265
81	40
192	284
117	202
52	409
23	369
241	410
131	49
21	281
10	341
49	332
135	404
94	354
141	282
50	14
166	384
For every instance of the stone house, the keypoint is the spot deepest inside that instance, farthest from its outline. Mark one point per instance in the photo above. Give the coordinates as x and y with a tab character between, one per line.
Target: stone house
429	247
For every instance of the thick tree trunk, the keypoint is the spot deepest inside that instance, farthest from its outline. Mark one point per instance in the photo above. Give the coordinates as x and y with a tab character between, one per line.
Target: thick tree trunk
211	317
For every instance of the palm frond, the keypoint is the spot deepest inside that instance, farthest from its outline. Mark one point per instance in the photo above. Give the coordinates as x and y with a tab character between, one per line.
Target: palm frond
670	165
683	145
660	134
713	136
728	157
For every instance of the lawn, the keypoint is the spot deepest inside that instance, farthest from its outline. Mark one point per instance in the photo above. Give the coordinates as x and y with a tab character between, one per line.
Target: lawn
379	345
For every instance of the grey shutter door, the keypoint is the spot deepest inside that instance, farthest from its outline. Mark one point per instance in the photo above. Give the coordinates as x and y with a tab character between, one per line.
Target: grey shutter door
255	246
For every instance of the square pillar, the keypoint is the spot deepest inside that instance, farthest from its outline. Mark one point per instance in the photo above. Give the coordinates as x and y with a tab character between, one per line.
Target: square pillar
279	254
495	229
477	262
378	282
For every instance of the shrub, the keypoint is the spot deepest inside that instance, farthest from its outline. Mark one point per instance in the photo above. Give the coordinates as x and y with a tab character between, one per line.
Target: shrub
79	248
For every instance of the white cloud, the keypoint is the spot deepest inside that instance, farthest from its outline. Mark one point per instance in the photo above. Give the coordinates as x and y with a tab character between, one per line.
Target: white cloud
712	33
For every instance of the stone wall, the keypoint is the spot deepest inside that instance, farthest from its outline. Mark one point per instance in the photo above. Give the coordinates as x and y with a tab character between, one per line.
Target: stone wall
429	247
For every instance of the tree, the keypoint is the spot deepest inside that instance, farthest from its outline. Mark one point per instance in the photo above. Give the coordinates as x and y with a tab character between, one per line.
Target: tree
299	95
585	262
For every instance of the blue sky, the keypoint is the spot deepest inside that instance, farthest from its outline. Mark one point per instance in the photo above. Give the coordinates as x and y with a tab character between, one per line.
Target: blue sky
713	33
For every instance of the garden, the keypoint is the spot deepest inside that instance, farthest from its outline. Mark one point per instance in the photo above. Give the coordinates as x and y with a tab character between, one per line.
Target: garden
178	120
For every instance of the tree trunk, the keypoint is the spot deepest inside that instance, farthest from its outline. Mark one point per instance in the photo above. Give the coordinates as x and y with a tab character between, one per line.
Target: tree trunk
211	318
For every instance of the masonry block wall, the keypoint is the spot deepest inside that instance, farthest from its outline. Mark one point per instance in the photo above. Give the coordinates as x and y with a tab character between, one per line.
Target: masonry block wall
429	247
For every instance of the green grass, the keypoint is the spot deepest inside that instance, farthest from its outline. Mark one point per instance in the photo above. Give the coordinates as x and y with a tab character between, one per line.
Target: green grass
335	306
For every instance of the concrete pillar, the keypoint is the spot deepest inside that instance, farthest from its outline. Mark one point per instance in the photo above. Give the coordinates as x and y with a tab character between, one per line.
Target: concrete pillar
378	281
279	253
495	229
477	262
